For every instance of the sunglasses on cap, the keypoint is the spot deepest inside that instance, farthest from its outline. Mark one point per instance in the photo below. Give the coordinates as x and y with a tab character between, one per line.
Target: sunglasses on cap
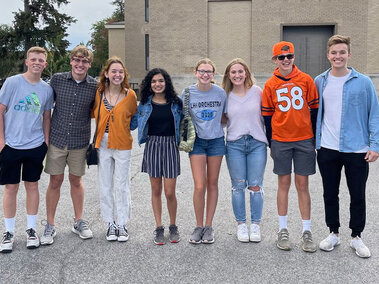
283	56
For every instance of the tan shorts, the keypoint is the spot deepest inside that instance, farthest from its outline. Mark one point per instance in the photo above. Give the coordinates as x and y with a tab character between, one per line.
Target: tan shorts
56	160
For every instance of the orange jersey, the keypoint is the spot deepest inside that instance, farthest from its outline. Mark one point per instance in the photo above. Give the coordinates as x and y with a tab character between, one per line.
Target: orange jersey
289	100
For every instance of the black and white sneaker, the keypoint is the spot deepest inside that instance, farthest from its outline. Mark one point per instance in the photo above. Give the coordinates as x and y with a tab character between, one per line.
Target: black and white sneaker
123	235
32	240
112	232
7	242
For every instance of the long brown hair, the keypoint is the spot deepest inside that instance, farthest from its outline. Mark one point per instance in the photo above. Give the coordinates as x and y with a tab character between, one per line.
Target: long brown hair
103	80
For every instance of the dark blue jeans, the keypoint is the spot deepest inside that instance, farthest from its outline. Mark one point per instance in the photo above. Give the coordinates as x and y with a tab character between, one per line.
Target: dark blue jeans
330	163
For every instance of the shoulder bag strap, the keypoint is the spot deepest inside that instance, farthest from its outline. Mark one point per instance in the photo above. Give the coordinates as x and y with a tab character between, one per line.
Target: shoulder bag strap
98	116
186	102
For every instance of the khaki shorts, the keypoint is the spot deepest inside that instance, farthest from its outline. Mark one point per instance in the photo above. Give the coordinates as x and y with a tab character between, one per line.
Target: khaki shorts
56	160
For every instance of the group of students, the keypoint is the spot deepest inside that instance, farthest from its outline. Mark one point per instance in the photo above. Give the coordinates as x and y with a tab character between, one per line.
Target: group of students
338	114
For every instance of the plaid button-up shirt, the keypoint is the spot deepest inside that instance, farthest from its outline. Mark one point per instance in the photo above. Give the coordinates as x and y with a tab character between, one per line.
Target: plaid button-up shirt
71	120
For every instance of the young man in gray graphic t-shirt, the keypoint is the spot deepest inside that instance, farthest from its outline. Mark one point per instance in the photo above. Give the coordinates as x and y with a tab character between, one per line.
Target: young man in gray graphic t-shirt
25	107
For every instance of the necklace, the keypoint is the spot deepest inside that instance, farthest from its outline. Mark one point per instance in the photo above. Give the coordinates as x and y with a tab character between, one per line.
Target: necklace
110	101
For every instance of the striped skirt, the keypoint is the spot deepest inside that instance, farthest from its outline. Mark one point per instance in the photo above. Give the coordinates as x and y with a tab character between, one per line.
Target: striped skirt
161	157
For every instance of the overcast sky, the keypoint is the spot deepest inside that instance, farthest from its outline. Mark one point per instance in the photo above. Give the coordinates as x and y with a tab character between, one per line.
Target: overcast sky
86	12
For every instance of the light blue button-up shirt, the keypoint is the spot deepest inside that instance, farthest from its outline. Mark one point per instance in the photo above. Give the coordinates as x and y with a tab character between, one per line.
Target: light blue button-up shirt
360	113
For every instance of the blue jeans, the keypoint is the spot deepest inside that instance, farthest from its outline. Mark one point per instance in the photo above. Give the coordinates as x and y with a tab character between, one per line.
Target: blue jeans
246	159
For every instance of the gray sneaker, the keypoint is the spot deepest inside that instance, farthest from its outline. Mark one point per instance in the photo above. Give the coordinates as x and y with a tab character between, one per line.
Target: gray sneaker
283	241
208	235
111	232
6	244
174	236
81	228
307	243
48	235
159	236
123	235
196	236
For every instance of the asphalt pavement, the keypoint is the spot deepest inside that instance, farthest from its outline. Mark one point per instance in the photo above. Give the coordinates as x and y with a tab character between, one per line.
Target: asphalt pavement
72	260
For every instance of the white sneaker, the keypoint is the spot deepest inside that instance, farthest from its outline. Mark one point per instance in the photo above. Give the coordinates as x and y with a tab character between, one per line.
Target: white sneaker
6	244
360	248
330	242
242	233
255	233
32	240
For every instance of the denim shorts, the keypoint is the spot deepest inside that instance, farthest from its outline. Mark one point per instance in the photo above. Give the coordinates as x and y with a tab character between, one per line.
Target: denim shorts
209	147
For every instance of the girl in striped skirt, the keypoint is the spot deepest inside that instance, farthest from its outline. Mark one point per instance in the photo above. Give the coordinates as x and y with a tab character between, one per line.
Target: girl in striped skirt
158	116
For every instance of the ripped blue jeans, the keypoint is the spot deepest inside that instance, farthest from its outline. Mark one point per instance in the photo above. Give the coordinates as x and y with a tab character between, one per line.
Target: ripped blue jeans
246	159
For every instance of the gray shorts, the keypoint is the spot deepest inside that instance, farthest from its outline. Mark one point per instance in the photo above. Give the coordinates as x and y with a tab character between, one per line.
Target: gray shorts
302	153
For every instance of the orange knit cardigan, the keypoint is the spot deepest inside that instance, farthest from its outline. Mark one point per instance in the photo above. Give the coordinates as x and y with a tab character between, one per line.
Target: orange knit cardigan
119	136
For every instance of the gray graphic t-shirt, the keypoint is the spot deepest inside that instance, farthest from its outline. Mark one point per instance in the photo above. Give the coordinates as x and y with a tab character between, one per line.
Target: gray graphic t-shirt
25	104
206	109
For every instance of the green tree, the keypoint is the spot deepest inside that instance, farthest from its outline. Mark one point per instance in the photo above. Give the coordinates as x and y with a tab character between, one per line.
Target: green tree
11	58
99	44
119	14
40	23
99	37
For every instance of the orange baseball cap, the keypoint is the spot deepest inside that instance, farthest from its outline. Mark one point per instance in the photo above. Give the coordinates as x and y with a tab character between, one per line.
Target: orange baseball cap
277	49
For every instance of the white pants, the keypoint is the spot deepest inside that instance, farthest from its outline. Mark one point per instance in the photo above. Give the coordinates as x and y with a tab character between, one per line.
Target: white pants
114	179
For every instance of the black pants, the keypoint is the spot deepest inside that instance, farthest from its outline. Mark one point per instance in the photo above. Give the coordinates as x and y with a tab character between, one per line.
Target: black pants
330	163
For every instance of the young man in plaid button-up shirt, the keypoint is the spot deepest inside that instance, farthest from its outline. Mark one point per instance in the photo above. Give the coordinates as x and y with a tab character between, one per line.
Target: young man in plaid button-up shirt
74	94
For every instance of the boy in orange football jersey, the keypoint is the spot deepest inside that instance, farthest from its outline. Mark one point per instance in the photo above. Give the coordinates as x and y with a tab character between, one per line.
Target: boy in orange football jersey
289	108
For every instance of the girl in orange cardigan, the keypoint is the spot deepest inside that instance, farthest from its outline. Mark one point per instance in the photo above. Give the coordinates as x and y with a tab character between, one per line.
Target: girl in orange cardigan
118	104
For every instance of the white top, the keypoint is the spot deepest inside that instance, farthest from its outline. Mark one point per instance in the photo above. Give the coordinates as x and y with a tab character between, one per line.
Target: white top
331	122
244	115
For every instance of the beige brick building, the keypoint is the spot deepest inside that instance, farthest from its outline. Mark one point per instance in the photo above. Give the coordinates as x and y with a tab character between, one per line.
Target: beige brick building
175	34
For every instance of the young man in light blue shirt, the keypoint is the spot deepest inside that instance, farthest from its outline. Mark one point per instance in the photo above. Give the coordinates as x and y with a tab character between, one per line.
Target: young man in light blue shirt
347	136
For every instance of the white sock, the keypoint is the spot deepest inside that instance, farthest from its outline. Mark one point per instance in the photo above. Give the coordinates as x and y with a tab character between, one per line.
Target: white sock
306	225
31	221
282	222
9	224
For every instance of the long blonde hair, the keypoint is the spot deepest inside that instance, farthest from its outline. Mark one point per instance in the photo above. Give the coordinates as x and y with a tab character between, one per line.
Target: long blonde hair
227	85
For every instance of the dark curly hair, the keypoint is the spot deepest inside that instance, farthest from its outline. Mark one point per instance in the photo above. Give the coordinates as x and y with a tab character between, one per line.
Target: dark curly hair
146	91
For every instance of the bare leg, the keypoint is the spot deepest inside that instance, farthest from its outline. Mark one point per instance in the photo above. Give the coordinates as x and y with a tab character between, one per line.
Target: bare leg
301	183
213	171
284	183
172	204
156	199
52	196
32	197
10	200
77	195
198	167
